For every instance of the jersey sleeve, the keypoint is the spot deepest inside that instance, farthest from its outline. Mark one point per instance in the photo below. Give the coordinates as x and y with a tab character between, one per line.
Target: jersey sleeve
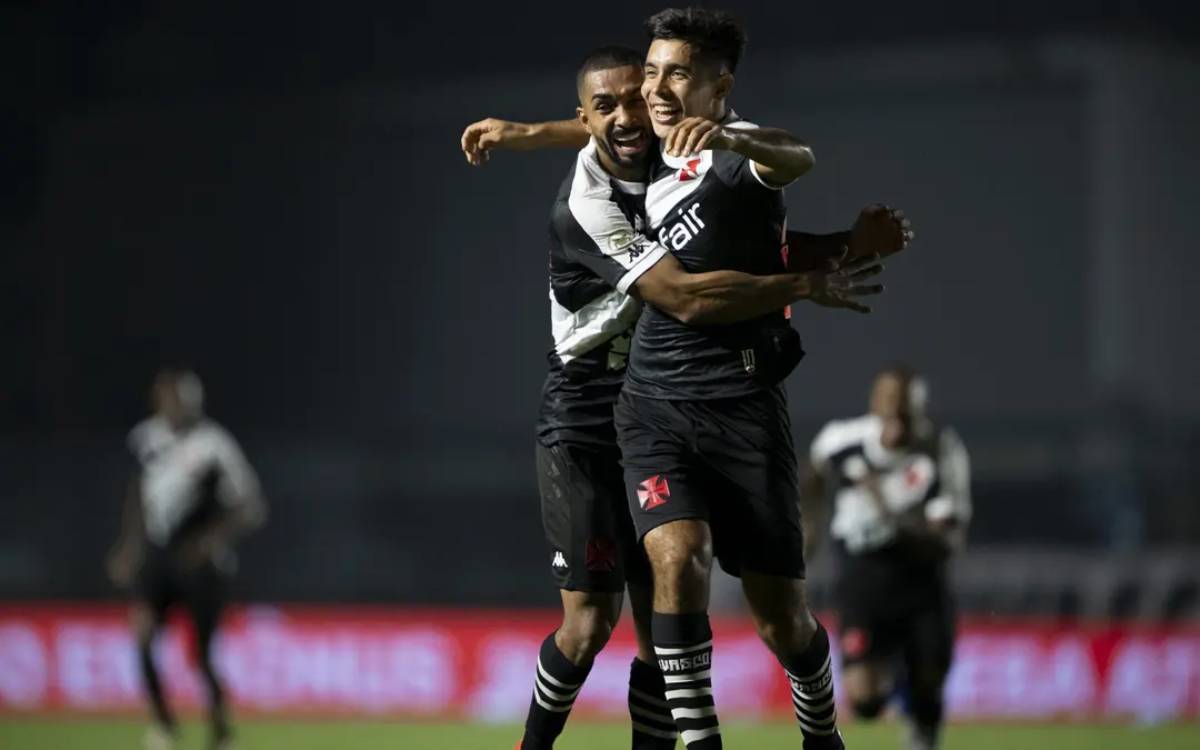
738	171
237	482
594	231
954	470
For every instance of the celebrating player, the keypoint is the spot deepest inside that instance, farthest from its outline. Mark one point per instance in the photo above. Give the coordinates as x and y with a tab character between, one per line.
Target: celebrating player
901	503
598	259
193	493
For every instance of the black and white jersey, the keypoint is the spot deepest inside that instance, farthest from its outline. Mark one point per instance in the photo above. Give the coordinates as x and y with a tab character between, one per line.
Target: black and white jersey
874	487
187	477
713	212
597	251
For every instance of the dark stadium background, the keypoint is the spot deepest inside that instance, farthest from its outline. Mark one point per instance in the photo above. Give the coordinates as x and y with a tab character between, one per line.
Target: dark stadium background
275	197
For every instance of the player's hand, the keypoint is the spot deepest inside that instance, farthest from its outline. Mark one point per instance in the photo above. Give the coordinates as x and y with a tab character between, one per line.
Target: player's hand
880	230
120	565
845	281
481	137
695	134
196	551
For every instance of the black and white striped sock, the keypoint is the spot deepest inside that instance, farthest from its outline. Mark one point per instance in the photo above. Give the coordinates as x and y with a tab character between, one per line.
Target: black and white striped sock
810	674
556	683
683	644
653	726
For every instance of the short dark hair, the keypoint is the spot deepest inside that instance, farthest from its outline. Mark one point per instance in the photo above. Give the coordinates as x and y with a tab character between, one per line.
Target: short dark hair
716	35
605	58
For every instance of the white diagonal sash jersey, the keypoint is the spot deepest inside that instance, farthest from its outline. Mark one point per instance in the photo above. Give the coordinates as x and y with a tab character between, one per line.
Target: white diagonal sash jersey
933	481
713	212
186	475
597	252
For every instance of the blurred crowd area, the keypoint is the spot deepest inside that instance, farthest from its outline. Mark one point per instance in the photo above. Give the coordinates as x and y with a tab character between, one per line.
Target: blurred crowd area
279	202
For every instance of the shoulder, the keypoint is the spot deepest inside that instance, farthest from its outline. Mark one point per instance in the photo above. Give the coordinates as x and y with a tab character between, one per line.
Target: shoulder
214	437
841	434
147	436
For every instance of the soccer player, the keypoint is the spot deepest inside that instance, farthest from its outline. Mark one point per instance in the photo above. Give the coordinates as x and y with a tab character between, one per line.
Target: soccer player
600	266
901	494
192	494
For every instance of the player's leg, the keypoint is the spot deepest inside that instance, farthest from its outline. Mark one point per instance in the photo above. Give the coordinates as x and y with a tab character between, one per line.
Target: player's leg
782	617
927	656
146	618
751	448
206	597
586	565
669	515
652	726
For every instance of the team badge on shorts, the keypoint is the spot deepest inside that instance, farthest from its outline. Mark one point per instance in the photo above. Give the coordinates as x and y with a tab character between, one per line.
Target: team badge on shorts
601	555
653	492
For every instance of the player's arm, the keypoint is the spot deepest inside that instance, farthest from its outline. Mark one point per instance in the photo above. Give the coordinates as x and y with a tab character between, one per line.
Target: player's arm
479	138
777	157
719	297
126	553
239	495
949	513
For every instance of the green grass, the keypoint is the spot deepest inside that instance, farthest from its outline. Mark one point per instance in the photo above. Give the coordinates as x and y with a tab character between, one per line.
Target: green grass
91	734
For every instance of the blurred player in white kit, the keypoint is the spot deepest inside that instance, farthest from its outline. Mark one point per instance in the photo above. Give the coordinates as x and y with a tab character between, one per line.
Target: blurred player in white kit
900	486
192	494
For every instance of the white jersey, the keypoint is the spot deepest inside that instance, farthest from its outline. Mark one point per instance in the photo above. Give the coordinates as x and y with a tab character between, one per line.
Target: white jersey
180	471
875	487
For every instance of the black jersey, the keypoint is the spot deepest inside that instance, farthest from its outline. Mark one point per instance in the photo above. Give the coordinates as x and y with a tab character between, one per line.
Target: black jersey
713	212
597	252
930	480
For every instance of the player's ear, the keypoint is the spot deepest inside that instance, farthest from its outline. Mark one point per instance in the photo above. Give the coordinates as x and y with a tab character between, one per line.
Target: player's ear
724	86
581	113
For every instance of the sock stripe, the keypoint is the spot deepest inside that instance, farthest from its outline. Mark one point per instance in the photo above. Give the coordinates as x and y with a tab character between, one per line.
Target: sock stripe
688	693
674	651
810	729
652	716
665	734
816	720
810	707
648	699
819	673
695	735
554	695
693	713
672	679
550	706
556	683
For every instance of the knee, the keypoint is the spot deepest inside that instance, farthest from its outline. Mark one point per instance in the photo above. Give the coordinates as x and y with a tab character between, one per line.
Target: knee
788	635
682	564
584	633
867	707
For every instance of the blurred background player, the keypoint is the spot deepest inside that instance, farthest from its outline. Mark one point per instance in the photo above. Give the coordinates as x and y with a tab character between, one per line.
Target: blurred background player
901	503
192	493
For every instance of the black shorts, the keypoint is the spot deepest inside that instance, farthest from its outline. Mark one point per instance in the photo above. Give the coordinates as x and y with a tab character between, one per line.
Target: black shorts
890	611
729	462
162	582
590	536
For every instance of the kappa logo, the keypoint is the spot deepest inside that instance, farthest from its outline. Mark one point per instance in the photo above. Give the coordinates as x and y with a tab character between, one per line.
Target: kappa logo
559	561
653	492
690	171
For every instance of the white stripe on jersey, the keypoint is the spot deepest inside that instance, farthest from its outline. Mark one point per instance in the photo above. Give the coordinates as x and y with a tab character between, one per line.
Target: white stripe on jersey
174	465
592	207
576	333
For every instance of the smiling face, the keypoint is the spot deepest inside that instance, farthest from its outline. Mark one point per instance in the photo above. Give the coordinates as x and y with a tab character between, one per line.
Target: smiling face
611	107
679	83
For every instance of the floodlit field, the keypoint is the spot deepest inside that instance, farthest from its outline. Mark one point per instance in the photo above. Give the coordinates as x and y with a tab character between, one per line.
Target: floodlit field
87	734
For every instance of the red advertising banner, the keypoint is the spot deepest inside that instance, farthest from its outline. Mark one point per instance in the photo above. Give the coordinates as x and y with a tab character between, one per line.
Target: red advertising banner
333	660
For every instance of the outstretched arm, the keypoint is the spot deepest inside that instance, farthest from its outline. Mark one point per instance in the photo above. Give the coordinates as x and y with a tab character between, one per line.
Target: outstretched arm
479	138
718	297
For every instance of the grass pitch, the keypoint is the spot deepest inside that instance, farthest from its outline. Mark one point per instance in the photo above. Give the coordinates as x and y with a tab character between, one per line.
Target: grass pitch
118	734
